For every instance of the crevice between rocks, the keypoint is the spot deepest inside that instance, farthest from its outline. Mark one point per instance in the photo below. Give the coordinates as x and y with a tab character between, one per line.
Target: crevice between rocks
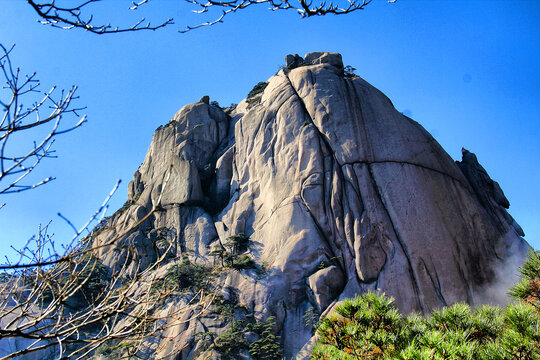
436	283
330	151
470	299
409	163
412	272
378	190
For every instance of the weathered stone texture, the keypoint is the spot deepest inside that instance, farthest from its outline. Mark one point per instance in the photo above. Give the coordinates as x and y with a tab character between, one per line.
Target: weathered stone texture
339	193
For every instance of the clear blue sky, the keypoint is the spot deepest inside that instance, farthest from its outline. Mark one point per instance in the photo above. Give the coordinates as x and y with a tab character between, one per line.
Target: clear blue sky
468	71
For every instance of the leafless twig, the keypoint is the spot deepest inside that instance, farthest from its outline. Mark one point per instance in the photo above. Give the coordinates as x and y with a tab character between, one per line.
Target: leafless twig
75	16
18	119
80	15
70	304
304	7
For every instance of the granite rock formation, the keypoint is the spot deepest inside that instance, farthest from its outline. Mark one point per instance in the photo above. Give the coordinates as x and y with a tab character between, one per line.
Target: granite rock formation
338	192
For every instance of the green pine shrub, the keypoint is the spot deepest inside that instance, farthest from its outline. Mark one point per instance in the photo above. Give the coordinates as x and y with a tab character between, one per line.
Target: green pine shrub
257	89
186	276
268	346
231	342
371	327
238	243
255	95
527	289
239	262
230	254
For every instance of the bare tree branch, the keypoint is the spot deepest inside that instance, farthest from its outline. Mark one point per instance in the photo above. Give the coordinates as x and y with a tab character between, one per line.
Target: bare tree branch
74	16
304	7
71	304
81	16
17	119
77	246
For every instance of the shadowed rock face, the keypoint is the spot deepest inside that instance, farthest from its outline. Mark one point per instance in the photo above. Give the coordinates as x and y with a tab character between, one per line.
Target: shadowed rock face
339	193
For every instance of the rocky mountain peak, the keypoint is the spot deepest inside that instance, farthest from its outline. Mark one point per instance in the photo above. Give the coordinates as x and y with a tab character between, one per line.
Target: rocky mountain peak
313	189
314	58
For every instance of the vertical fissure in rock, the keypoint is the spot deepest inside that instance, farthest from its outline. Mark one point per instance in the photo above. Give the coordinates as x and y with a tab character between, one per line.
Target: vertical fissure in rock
366	144
435	282
470	298
412	272
324	237
368	153
273	145
336	170
413	276
304	108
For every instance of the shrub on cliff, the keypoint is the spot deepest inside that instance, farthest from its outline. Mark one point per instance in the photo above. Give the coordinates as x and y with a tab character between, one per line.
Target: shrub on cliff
255	95
186	276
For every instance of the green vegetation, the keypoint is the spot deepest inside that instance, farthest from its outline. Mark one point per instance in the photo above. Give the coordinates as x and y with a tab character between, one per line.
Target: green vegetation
255	95
122	350
238	262
349	72
528	288
263	269
233	341
257	89
311	319
268	345
126	205
230	255
95	274
123	208
237	244
218	252
101	226
104	349
186	276
294	65
371	327
243	333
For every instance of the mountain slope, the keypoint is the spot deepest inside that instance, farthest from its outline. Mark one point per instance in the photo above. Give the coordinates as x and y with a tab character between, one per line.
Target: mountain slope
338	193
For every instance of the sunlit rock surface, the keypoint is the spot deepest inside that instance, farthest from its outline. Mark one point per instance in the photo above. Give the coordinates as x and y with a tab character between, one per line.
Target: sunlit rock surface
339	194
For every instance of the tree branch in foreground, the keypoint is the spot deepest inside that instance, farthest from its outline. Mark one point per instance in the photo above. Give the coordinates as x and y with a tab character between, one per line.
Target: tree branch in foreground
46	109
75	16
70	304
81	15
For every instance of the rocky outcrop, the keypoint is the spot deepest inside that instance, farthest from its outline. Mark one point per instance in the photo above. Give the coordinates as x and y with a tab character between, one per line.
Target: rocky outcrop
10	345
338	193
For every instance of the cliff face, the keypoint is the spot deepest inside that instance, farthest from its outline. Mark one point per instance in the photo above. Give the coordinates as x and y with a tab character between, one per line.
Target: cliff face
338	192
